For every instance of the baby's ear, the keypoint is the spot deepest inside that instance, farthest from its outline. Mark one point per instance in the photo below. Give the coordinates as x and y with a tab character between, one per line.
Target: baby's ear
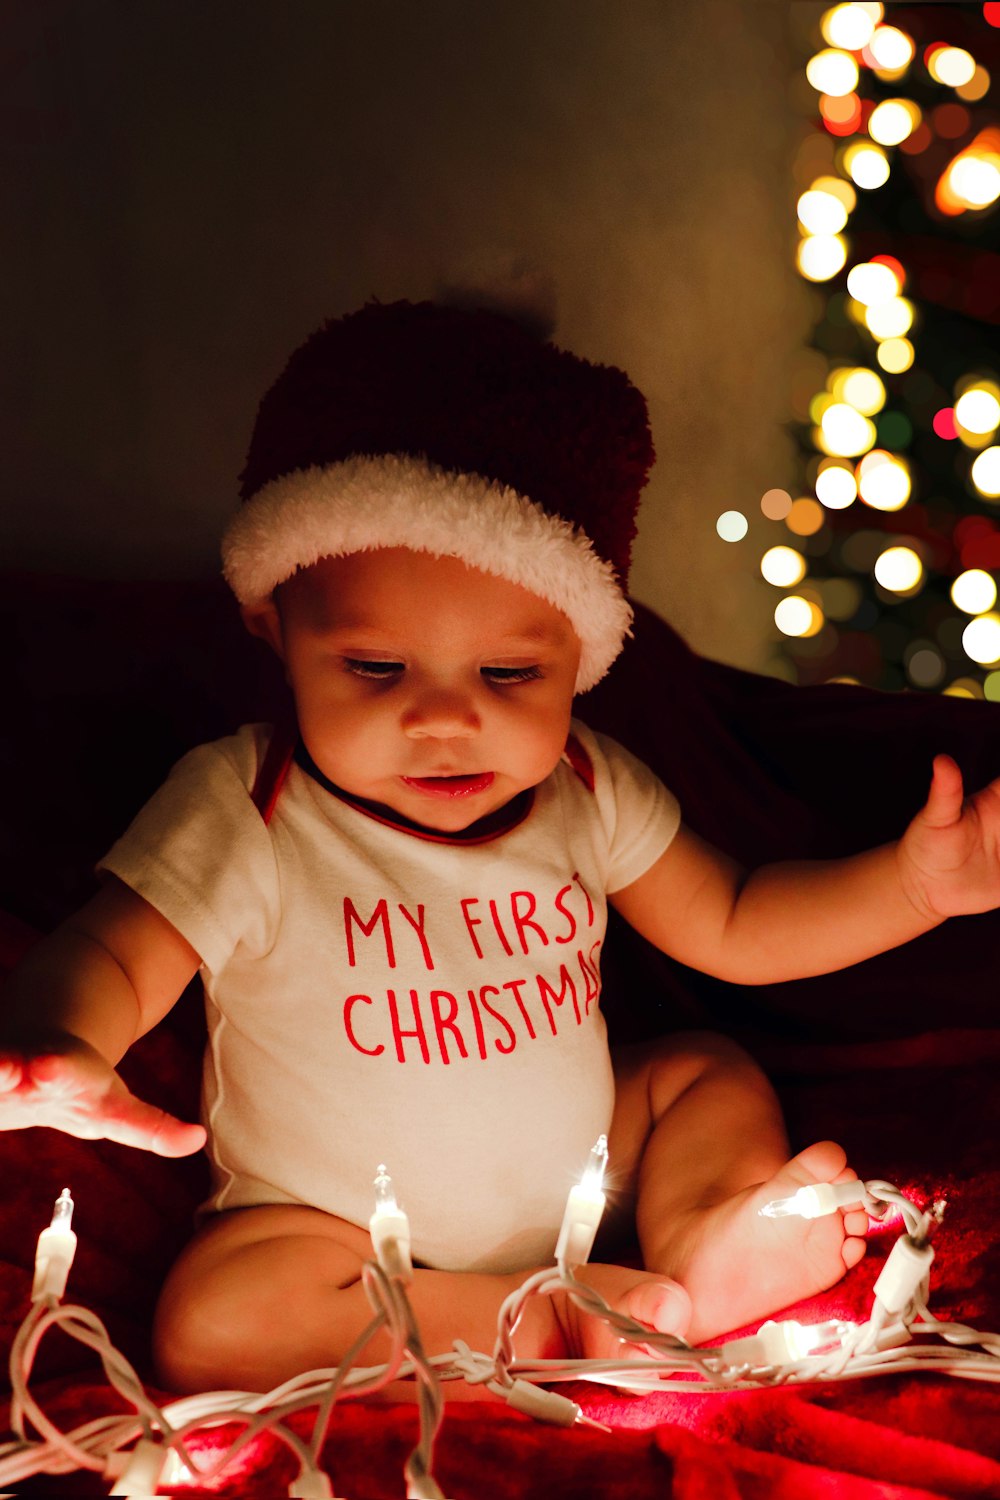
263	620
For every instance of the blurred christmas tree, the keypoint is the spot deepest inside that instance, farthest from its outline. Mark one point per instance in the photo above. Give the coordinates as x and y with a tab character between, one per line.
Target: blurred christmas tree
889	557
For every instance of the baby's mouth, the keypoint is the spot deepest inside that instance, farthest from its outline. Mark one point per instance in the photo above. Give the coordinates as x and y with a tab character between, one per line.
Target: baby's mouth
451	786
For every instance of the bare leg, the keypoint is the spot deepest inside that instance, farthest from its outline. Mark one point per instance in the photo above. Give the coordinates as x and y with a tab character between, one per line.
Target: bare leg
702	1146
263	1294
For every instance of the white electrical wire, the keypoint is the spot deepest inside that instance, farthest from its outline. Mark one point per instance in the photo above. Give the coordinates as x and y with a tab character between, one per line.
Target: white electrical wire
900	1336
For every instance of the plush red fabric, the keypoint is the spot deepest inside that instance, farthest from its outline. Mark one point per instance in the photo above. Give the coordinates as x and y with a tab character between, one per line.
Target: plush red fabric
897	1057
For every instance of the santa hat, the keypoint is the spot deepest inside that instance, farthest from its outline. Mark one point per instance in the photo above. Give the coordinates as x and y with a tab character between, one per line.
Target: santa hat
455	432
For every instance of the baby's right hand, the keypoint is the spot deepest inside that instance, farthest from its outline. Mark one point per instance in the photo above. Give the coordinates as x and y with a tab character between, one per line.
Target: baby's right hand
68	1085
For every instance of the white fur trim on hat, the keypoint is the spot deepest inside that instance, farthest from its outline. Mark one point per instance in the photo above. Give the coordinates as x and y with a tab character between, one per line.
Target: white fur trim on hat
362	504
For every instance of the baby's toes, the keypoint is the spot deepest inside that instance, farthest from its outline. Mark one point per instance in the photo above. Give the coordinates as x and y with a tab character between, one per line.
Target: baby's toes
856	1223
662	1305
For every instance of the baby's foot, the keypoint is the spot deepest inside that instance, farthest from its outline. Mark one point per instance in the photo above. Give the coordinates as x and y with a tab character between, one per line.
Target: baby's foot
655	1301
738	1267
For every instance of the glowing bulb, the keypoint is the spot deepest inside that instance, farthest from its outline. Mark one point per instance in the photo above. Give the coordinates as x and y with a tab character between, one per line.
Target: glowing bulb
986	473
849	26
592	1180
796	616
872	282
892	121
815	1200
974	180
863	390
978	410
890	320
974	592
584	1208
891	49
981	639
821	213
836	487
385	1196
820	256
732	526
868	166
883	481
952	66
895	355
833	72
846	432
899	570
783	566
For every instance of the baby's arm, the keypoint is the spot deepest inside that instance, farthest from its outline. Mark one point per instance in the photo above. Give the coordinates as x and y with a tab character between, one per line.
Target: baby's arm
795	919
73	1008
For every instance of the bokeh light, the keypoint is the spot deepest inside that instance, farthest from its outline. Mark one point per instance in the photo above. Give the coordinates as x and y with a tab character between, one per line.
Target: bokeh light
978	410
977	87
924	664
890	320
799	617
775	504
850	26
883	481
805	517
872	282
833	72
951	65
986	473
845	431
895	355
981	639
819	257
943	423
861	389
732	526
821	212
783	566
836	486
868	165
899	570
892	121
890	49
974	591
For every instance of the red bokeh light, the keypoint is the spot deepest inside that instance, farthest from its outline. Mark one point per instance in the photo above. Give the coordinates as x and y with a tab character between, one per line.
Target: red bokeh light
841	115
944	423
991	13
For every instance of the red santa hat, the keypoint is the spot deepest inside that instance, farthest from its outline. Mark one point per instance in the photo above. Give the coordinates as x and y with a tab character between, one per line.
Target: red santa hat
456	432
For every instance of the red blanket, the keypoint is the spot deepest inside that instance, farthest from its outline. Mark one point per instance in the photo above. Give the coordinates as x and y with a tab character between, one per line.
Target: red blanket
896	1057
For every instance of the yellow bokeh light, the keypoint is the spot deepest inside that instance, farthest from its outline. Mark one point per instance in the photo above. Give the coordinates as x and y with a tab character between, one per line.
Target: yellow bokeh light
891	49
892	121
863	390
986	473
890	320
796	616
867	165
978	410
783	566
974	591
963	687
836	487
899	570
821	256
833	72
805	517
883	481
952	66
895	355
977	87
850	26
845	431
981	639
974	180
821	212
870	282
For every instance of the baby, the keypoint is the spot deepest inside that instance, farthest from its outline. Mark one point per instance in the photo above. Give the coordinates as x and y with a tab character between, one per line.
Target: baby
398	914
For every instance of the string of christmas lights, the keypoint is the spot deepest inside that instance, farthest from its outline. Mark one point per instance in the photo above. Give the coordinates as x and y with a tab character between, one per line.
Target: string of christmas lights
178	1446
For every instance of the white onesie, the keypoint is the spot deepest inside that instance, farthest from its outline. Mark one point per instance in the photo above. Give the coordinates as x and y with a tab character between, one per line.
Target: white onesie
377	995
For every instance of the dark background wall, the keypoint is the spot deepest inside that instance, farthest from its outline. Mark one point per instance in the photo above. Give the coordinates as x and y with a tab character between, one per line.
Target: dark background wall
190	186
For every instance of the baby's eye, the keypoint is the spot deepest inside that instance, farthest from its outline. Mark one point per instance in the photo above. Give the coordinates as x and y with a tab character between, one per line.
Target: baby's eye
378	671
504	675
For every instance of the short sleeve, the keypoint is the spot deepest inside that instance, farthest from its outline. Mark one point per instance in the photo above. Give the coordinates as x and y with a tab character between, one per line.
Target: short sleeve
640	816
201	854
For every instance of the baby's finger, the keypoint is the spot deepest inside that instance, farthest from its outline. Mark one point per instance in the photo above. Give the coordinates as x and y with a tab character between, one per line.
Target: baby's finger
947	794
131	1122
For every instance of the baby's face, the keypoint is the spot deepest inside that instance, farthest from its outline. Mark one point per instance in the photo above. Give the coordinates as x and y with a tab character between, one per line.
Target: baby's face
426	686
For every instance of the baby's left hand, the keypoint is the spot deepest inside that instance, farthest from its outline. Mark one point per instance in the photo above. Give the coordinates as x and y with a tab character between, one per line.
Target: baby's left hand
949	857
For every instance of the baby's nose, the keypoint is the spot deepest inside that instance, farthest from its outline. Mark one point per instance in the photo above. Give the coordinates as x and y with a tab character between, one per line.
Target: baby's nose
441	715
